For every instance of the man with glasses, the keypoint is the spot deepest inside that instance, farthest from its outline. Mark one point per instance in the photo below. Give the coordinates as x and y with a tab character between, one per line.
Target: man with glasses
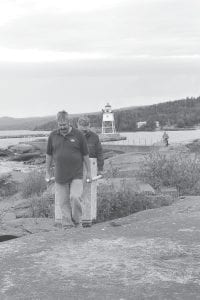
67	147
93	142
96	163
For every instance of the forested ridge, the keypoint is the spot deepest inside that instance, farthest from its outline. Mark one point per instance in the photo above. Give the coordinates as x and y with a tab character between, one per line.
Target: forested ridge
183	113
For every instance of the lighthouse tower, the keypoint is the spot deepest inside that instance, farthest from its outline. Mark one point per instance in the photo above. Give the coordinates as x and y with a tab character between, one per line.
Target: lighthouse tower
108	122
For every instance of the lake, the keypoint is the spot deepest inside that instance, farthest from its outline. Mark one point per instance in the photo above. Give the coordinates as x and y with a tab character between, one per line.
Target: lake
150	138
133	138
5	142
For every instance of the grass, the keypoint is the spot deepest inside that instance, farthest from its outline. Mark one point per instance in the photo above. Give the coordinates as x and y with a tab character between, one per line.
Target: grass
194	146
112	171
33	184
8	188
180	170
34	187
114	204
43	206
111	204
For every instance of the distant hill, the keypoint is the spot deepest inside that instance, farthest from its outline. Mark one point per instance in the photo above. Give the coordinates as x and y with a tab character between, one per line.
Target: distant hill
7	123
95	121
34	123
184	113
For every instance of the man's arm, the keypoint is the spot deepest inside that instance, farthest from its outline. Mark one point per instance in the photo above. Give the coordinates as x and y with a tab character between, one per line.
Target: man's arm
99	155
86	161
49	159
85	154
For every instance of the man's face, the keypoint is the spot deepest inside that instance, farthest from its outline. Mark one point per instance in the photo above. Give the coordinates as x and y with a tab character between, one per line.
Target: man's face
84	129
63	125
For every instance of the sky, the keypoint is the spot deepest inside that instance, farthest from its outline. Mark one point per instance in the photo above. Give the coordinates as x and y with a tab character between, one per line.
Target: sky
78	55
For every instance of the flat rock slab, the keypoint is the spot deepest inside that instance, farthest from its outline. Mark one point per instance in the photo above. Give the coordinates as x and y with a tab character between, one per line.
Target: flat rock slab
25	226
153	254
129	184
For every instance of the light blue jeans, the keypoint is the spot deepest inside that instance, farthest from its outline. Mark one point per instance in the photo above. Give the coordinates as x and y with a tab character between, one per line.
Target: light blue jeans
68	198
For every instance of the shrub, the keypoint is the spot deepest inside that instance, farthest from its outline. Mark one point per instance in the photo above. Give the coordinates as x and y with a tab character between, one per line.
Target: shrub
180	170
194	146
33	184
112	204
112	171
8	188
43	206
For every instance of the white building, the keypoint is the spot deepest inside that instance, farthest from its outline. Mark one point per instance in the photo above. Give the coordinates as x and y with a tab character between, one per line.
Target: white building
143	123
140	124
108	121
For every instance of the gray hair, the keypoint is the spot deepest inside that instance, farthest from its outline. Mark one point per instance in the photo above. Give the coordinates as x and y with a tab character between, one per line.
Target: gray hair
62	116
84	121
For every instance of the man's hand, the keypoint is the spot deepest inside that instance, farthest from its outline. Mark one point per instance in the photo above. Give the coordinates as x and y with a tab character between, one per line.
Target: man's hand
47	177
100	173
88	177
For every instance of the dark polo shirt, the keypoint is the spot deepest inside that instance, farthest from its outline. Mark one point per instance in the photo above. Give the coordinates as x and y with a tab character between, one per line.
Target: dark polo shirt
95	148
67	152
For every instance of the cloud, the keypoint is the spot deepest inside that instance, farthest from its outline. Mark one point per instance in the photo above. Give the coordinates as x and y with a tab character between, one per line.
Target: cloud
90	93
150	27
83	86
135	66
67	6
80	54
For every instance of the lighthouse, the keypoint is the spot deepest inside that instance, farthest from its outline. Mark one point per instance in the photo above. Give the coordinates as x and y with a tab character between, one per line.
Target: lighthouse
108	121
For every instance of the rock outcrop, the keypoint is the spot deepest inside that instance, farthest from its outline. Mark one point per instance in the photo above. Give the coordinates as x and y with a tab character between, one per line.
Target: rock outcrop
26	156
153	254
5	172
21	148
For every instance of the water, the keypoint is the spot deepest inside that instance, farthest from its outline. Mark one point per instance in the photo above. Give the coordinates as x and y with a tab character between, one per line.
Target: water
133	138
155	137
7	166
4	143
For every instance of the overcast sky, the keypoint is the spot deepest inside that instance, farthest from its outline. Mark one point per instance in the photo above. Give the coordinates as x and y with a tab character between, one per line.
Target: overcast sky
77	55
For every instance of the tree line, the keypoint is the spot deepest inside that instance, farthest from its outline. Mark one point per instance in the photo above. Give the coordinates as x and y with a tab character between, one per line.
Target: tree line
184	113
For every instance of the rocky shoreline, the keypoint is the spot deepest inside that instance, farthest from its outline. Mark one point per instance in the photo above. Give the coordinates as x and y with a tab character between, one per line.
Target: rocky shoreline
24	135
32	153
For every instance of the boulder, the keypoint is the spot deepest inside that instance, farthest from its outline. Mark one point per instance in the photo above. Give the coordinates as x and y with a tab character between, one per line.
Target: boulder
194	146
26	226
171	191
36	161
5	153
39	145
9	216
4	173
146	188
129	184
21	148
26	156
23	209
